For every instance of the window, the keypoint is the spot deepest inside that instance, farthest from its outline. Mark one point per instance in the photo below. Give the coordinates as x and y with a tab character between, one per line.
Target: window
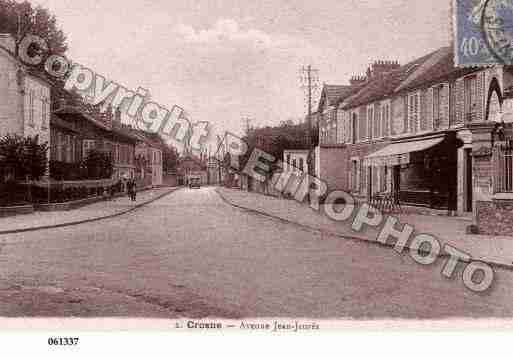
301	165
31	108
385	120
370	122
118	153
354	124
470	94
73	149
288	162
294	164
87	146
437	108
413	112
59	146
45	113
355	175
68	151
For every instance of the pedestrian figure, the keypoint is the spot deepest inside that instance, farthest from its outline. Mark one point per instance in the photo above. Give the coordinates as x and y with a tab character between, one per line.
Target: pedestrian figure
134	190
128	186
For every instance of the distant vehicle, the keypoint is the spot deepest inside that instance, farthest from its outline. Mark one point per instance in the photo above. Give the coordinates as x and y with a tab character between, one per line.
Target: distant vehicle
194	182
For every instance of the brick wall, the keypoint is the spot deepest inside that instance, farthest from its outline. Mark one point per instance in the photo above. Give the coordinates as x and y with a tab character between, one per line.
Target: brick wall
495	217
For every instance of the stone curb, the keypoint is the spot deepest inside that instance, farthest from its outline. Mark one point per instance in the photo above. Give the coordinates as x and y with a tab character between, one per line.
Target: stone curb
72	223
345	236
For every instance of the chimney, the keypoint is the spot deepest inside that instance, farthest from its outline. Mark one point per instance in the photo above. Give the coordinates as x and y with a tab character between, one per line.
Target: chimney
380	67
62	103
117	115
7	41
357	80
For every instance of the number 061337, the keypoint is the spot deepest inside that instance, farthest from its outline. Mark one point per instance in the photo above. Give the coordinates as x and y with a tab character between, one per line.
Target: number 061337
63	341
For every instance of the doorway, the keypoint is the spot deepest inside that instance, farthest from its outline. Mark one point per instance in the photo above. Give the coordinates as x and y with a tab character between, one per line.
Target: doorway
396	183
468	180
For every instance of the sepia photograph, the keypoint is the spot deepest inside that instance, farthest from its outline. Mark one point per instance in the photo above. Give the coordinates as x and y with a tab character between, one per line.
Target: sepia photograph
273	167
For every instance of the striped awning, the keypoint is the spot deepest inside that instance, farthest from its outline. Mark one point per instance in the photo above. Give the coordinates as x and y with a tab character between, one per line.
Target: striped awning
399	153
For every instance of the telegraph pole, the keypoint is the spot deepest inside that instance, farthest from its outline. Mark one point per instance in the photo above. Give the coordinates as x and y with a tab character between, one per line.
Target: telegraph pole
246	120
309	79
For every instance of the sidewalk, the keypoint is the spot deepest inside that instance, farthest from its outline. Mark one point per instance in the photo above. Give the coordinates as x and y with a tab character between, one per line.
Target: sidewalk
92	212
496	250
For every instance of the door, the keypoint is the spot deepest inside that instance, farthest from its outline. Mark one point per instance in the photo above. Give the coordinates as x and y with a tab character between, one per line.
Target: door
369	182
469	181
396	182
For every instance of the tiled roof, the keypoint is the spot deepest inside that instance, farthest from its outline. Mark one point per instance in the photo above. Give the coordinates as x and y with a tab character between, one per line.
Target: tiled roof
334	94
124	131
384	85
74	110
58	122
152	139
439	67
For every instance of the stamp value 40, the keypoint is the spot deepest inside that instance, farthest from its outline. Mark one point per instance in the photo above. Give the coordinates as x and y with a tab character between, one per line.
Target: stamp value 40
483	32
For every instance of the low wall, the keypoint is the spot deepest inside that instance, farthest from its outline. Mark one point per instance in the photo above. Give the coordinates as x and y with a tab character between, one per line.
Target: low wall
66	206
15	210
495	217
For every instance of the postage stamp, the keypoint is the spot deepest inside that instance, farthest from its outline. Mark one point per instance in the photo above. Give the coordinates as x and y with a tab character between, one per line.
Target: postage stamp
483	32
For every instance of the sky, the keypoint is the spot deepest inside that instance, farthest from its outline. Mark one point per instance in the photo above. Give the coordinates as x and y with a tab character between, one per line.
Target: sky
222	60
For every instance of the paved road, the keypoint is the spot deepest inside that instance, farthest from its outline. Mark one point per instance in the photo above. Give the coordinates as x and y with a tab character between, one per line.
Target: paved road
190	254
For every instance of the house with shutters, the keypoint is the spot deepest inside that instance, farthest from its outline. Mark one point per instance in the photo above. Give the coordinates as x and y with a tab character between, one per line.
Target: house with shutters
24	96
77	128
417	131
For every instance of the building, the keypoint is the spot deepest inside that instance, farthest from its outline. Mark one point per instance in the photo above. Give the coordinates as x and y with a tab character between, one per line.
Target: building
148	152
295	165
24	97
327	162
77	128
191	166
422	131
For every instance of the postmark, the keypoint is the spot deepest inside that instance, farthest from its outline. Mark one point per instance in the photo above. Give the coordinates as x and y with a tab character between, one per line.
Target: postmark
483	32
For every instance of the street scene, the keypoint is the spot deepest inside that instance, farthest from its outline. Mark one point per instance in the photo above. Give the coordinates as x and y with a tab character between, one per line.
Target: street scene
232	161
182	256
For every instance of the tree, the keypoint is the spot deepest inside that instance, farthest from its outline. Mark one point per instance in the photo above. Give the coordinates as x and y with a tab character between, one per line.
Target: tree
98	164
20	19
22	157
169	159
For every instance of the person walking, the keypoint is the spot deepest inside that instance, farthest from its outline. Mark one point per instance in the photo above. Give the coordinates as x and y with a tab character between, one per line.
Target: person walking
129	188
134	190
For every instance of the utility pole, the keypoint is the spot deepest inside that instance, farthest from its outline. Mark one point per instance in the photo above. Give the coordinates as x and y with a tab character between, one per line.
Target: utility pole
246	120
309	83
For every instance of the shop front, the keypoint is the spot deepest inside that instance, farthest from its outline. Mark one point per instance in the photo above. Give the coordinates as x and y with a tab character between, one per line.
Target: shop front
421	171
